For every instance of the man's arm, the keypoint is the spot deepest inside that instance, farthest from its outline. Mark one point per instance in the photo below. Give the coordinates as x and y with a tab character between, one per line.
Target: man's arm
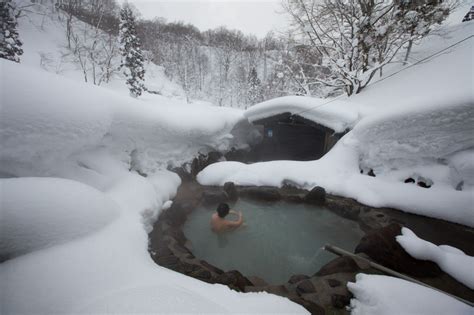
237	223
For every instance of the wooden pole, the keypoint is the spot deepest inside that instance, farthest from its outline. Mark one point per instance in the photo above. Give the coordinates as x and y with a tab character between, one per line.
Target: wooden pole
342	252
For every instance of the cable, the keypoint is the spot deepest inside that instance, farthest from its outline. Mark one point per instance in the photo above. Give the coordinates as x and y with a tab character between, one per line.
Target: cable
389	76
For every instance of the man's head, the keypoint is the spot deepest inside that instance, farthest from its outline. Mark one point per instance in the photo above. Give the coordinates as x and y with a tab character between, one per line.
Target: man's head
222	210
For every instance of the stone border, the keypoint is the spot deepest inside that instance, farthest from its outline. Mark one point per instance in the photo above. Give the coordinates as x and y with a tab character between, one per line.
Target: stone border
326	290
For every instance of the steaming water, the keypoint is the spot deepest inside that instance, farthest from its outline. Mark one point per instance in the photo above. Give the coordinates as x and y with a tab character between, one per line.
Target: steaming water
279	240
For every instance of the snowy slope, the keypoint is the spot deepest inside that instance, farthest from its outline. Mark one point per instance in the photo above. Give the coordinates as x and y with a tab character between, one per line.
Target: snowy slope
42	30
95	259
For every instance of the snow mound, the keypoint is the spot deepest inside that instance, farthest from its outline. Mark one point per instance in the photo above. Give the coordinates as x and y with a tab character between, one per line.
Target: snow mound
374	294
42	212
418	134
452	260
337	115
53	118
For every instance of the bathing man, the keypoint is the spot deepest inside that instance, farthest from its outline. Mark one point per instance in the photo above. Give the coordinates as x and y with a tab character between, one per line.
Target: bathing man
220	224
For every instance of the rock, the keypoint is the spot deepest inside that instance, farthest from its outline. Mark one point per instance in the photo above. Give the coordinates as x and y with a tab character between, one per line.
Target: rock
163	250
297	278
262	193
231	191
371	173
340	301
257	281
202	274
214	197
167	261
409	180
423	184
316	196
176	234
186	268
381	246
340	264
305	286
175	216
234	279
202	161
333	283
181	249
211	267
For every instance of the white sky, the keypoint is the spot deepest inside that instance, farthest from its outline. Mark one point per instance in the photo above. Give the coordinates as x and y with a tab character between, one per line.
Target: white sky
250	16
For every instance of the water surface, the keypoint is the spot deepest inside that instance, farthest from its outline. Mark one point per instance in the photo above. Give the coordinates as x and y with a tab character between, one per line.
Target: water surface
278	240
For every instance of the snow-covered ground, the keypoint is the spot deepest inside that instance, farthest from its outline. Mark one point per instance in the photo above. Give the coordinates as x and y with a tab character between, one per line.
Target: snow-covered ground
75	213
375	294
452	260
81	242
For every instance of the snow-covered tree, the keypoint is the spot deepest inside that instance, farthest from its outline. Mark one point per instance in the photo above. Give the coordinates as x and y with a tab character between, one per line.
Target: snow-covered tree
254	88
132	57
10	44
356	39
416	18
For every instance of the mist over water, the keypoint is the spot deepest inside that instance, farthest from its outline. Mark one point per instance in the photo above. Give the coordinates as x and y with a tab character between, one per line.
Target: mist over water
278	240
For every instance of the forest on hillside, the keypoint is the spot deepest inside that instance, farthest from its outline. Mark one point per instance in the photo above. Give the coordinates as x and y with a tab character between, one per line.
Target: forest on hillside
332	47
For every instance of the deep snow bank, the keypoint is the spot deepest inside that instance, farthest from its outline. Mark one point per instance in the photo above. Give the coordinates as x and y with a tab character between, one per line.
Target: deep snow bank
75	257
52	118
42	212
376	295
452	260
338	116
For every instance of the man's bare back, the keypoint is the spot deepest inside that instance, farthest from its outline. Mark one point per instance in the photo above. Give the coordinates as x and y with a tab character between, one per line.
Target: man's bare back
218	222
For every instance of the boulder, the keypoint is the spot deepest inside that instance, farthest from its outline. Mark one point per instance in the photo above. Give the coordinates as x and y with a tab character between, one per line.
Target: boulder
316	196
305	286
202	274
203	160
340	301
333	283
231	191
262	193
340	264
176	215
297	278
233	279
211	268
382	247
214	197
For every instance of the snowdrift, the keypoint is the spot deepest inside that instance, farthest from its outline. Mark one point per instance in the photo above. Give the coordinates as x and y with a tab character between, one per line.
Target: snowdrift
80	235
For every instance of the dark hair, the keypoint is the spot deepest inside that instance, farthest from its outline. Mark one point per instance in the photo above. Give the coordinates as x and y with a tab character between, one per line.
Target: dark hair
222	210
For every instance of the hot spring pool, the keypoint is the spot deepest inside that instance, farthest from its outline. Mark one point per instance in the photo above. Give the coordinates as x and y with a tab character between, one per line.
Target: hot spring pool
279	240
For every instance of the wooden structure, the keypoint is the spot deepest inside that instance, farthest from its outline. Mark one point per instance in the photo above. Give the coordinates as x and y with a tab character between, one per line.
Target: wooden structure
292	137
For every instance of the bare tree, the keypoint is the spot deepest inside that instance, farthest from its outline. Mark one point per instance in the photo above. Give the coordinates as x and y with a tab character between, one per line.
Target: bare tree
355	38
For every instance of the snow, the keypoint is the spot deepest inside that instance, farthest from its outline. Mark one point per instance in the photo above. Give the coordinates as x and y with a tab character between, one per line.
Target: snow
374	294
80	230
42	212
74	223
450	259
38	133
338	116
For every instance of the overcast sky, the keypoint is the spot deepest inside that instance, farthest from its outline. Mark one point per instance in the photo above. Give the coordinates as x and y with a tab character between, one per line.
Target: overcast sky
250	16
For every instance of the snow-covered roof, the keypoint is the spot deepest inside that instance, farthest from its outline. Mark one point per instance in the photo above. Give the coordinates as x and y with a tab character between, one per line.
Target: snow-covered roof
334	114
